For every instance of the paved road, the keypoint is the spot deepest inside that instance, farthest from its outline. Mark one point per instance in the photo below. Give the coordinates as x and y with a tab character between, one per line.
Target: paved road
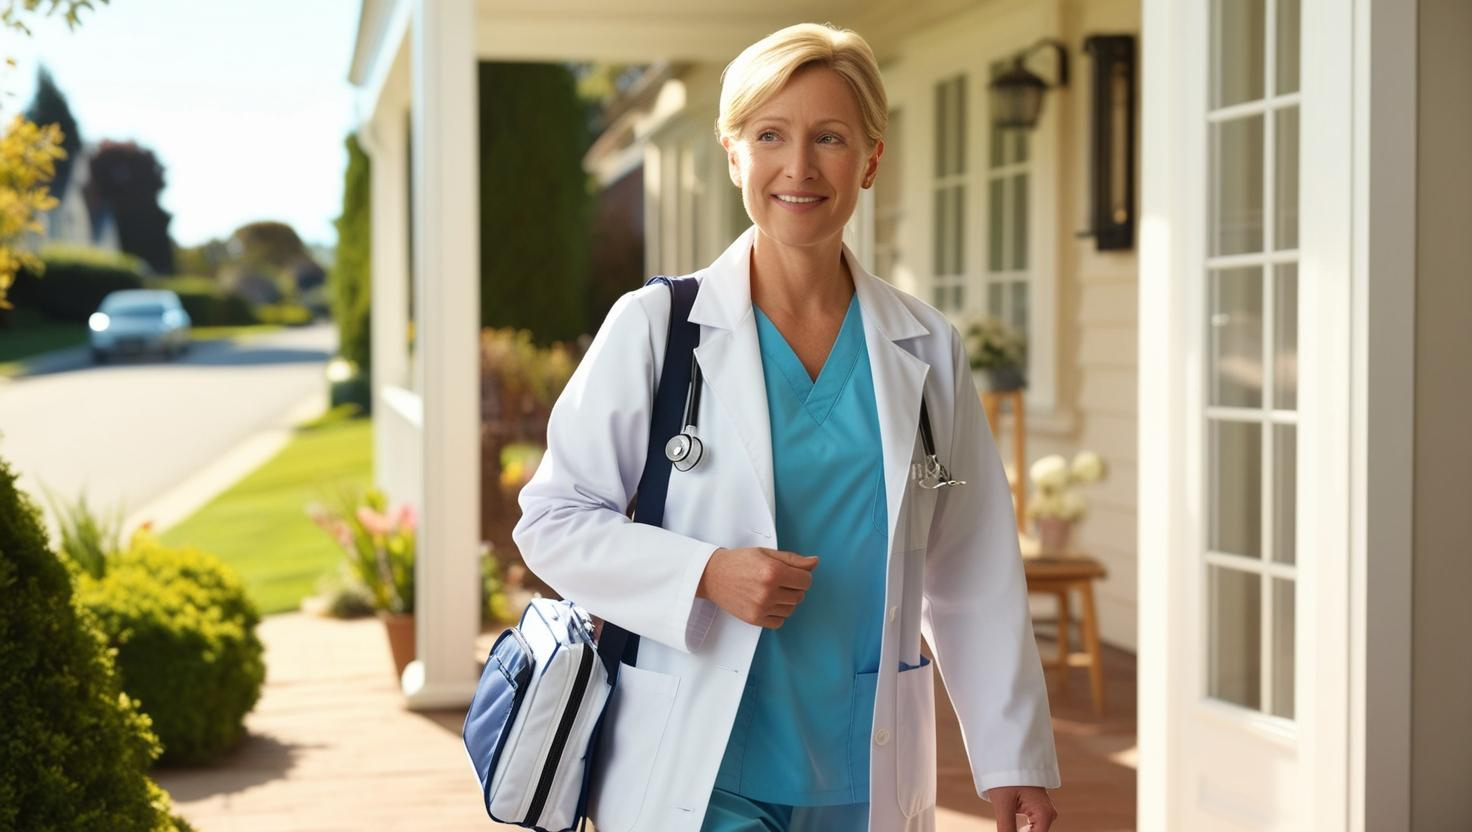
129	431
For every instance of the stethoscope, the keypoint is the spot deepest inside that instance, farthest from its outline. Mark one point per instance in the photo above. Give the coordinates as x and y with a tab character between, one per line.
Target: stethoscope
684	450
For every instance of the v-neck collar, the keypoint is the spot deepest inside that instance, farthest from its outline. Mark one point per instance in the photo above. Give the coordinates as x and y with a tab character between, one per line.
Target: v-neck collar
821	394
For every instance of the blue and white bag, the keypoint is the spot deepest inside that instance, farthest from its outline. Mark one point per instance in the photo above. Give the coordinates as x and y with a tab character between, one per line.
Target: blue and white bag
532	728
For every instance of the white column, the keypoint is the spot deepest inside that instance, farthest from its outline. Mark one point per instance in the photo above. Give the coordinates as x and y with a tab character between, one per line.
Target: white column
447	312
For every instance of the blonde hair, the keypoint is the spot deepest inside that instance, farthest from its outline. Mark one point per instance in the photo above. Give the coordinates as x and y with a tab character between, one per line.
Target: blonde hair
763	68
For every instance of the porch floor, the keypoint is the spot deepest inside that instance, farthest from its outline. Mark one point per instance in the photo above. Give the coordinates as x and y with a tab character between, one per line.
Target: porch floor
331	747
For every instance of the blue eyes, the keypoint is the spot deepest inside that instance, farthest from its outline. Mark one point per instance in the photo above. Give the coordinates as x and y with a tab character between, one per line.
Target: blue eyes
768	136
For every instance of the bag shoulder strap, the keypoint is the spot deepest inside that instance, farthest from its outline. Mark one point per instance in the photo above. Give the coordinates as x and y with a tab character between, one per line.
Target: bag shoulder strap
616	643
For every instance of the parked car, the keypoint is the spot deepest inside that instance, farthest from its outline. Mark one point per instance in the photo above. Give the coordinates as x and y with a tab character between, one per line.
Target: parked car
137	321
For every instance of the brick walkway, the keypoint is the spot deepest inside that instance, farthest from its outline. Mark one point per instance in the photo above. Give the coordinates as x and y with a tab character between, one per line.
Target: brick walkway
331	748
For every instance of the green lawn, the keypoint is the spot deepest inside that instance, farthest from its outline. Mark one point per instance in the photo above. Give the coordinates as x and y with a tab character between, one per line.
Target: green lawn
31	334
260	525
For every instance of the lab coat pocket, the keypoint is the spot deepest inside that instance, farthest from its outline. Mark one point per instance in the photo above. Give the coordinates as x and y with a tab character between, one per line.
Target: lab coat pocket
915	737
633	730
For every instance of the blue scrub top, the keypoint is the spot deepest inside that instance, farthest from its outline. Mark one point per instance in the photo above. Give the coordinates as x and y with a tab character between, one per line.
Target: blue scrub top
801	735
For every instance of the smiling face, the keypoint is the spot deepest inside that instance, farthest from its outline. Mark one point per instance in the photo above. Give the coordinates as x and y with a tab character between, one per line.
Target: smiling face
801	159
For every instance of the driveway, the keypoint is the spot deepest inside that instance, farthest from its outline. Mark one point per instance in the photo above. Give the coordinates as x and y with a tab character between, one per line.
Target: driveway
130	431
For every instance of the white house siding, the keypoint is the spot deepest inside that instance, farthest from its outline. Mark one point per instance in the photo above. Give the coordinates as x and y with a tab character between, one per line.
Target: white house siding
691	211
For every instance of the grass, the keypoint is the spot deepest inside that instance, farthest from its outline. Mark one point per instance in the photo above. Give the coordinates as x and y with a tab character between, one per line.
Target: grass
30	334
260	525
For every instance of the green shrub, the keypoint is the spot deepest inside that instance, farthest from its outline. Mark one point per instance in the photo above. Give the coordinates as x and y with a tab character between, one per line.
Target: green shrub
285	314
87	538
350	279
187	650
74	282
74	747
207	302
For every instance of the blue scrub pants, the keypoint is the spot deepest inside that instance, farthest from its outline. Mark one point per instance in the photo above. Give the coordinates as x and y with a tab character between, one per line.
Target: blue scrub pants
730	812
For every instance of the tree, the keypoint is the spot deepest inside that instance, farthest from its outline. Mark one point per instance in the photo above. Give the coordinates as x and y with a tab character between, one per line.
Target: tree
351	280
534	200
28	155
127	179
49	106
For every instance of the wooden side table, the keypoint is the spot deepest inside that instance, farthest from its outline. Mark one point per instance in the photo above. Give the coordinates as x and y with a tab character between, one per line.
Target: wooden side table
1058	575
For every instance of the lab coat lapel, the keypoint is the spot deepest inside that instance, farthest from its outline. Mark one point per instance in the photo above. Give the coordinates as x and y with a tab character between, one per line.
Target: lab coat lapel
730	357
899	379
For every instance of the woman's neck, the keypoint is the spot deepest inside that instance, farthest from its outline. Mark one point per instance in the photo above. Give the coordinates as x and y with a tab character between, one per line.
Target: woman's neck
805	283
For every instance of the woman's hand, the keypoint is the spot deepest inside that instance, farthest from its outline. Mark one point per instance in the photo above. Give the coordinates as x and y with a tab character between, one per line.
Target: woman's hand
759	586
1010	801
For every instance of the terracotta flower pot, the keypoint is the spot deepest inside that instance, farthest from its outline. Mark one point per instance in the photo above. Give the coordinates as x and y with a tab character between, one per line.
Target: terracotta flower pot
400	629
1053	533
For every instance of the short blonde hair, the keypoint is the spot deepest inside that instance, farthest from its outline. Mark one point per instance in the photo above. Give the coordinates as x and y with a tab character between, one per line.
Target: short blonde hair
765	67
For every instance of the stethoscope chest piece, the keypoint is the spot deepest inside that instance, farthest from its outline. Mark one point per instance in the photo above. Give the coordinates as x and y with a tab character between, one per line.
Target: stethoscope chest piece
684	450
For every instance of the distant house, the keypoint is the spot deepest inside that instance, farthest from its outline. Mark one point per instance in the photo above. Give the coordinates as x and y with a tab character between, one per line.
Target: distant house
73	221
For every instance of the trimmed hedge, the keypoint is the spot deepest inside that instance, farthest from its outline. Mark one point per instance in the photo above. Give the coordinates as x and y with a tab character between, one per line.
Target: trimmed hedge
74	747
74	282
207	302
184	631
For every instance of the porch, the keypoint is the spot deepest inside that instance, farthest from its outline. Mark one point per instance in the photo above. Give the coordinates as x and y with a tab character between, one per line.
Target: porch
331	747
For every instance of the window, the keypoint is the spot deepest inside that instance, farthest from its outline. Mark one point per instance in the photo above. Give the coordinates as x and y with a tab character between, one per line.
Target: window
1008	167
1251	420
948	261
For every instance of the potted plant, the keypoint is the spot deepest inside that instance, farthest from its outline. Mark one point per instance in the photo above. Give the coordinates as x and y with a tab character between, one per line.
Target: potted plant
1054	506
999	352
379	543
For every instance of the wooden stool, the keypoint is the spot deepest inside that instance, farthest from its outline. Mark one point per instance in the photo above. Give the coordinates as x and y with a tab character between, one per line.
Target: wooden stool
1058	575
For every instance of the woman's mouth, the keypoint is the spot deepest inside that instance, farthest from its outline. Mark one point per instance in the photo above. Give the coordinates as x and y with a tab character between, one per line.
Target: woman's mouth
799	202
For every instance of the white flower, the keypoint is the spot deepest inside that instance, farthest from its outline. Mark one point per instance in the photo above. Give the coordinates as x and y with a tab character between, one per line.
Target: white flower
1050	472
1088	467
1072	505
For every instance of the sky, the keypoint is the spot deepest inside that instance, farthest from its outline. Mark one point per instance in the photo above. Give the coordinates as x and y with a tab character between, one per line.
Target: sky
246	103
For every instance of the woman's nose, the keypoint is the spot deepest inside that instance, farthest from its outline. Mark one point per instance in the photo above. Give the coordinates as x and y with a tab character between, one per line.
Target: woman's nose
801	163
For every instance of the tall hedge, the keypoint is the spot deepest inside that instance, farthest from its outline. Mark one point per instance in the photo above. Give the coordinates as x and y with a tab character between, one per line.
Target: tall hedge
73	747
75	282
535	206
351	276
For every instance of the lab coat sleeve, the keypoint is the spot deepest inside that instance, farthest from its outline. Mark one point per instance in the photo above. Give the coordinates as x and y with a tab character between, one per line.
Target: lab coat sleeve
573	531
975	611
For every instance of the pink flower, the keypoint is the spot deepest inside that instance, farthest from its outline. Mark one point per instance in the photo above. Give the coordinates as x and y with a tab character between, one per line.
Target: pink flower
405	518
372	521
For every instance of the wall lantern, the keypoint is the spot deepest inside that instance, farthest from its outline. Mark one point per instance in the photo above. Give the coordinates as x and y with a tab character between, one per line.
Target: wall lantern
1113	175
1017	94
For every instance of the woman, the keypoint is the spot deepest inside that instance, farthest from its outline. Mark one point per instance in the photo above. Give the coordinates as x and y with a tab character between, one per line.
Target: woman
779	682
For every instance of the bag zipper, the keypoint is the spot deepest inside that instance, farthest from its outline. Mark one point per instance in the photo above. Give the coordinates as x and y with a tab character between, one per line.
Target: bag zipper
559	740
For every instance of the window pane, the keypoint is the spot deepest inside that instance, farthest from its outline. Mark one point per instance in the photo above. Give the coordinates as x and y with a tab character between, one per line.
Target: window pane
1236	337
1285	496
1288	38
1019	151
942	130
1285	202
958	229
941	231
958	296
1019	306
1234	668
1237	51
958	123
1019	221
1235	477
1235	221
1285	337
995	215
995	302
1283	633
938	297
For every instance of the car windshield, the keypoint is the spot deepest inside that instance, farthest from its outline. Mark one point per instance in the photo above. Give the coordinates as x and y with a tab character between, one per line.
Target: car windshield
138	310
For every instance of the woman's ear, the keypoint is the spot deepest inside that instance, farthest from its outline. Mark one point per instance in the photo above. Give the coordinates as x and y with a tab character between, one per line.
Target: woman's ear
871	167
733	162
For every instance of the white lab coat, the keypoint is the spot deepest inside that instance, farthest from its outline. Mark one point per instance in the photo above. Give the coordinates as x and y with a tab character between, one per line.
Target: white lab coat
954	570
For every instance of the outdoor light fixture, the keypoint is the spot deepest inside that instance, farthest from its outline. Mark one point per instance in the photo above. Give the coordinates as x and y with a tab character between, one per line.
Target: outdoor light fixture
1017	94
1113	175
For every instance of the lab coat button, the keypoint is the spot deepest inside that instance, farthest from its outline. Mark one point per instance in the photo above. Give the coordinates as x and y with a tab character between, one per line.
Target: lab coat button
894	612
881	736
